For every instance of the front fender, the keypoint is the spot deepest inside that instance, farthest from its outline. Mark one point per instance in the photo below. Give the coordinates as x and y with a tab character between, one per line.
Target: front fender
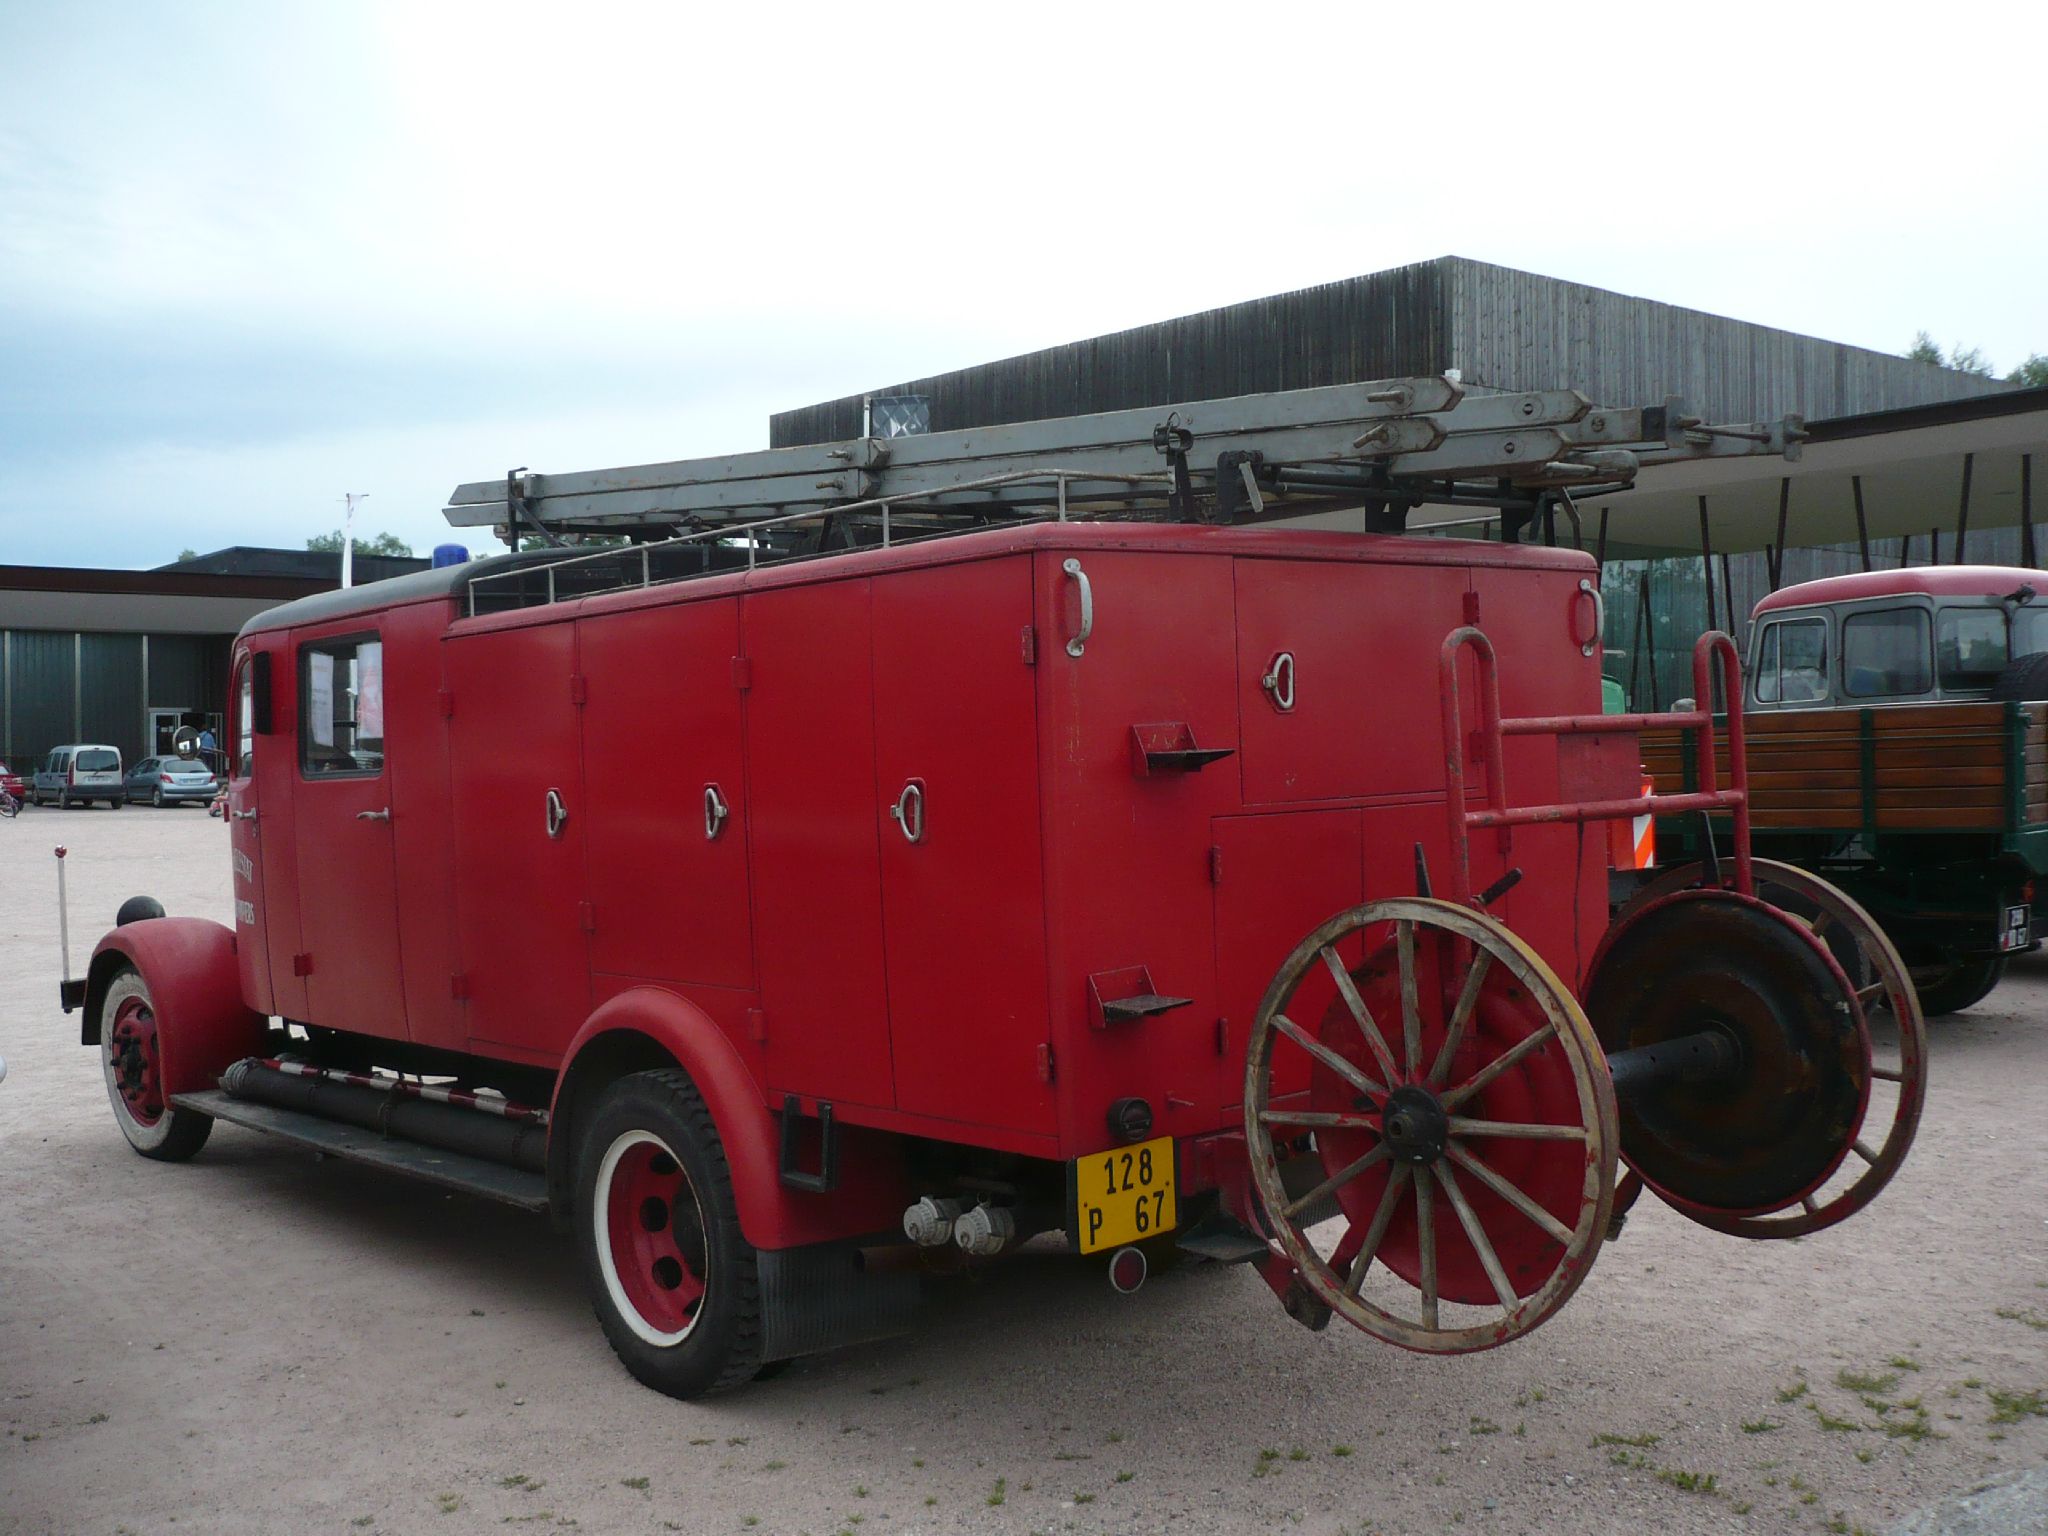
647	1028
203	1024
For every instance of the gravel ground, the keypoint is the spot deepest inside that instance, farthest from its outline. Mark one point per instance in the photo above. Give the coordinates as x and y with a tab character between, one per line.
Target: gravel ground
258	1342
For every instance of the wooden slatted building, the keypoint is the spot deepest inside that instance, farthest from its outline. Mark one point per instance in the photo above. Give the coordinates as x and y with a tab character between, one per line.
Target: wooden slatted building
1499	327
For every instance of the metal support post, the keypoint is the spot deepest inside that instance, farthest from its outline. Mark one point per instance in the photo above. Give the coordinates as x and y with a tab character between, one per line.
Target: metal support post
2027	510
1963	508
1707	559
1862	528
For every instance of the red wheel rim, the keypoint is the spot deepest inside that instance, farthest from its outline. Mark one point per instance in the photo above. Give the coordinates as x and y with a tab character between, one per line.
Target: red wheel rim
134	1061
651	1239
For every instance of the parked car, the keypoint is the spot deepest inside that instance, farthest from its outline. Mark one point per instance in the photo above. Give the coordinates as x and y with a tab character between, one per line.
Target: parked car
171	781
12	783
78	775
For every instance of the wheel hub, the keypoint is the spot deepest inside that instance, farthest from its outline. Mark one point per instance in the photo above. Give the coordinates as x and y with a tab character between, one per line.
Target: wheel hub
132	1050
1415	1125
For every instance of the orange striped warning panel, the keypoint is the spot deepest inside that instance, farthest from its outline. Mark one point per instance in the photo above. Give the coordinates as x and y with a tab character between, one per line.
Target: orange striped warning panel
1632	844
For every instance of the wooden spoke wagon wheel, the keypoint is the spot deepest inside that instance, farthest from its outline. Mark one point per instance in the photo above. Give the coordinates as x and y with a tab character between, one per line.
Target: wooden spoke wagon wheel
1457	1103
1884	989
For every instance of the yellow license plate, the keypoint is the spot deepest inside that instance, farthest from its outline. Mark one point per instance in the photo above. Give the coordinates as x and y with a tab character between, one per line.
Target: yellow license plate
1122	1196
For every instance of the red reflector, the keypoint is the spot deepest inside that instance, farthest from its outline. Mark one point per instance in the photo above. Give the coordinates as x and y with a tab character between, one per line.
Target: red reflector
1127	1270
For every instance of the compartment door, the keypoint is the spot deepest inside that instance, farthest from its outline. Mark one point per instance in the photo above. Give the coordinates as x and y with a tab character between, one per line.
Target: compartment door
1352	710
956	770
1279	877
661	758
816	847
520	818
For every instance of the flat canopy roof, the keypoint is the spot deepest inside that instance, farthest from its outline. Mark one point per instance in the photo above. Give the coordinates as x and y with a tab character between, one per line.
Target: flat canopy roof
1910	463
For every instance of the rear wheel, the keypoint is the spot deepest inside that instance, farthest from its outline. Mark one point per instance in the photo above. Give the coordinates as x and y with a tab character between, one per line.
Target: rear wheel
672	1278
1953	985
156	797
63	799
131	1056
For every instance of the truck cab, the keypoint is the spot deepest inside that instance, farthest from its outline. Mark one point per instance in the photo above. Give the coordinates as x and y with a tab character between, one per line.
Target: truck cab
1923	636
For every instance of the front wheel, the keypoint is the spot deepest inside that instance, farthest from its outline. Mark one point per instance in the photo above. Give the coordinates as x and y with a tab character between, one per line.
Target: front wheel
1954	985
673	1280
131	1056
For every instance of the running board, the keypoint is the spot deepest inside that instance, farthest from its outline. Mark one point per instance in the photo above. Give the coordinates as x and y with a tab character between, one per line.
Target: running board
451	1170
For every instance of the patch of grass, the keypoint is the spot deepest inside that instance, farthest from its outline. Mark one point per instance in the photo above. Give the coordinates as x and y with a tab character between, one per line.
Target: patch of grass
1793	1393
1809	1498
773	1466
1484	1426
1830	1422
1533	1395
700	1440
750	1521
1761	1426
1689	1482
1340	1450
1917	1427
1267	1459
1867	1381
1866	1456
1062	1456
930	1499
1125	1477
1642	1442
1744	1507
1903	1363
449	1502
2027	1315
1297	1453
517	1480
638	1484
1115	1437
1084	1498
2006	1407
98	1418
860	1490
1000	1494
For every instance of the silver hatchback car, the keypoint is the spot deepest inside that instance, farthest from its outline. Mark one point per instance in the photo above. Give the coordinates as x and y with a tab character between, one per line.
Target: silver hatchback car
171	781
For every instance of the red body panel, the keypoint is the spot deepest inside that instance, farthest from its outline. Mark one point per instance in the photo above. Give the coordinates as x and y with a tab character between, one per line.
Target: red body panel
195	985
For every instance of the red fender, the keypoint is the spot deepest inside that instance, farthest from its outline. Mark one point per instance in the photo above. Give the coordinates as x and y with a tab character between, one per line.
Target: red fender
632	1032
189	963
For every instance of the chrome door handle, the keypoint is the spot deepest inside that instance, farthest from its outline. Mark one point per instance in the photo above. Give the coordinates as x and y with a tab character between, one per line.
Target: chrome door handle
557	813
1591	589
383	815
909	811
1279	681
715	812
248	815
1080	641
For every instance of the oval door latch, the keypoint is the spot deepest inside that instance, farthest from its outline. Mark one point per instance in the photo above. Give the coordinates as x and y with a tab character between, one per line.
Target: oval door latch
1079	641
1279	681
557	813
909	811
715	812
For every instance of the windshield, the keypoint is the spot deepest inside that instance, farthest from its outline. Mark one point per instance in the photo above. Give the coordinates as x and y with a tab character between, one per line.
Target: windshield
100	761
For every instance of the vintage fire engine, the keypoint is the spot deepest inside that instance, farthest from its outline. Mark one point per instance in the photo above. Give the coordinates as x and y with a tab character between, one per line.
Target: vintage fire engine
934	842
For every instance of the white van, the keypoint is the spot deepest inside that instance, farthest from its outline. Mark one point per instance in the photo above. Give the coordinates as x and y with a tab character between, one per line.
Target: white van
80	774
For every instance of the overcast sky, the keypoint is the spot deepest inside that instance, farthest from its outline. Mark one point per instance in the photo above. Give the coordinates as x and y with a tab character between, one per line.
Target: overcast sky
255	256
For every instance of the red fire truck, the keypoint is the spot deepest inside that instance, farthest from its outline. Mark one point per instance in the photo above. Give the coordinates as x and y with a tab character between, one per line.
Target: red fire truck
944	841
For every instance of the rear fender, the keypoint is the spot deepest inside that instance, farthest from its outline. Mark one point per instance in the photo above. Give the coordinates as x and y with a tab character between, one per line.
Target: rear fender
203	1024
650	1029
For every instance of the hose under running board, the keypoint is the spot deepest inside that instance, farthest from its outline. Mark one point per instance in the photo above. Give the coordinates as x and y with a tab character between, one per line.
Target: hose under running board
454	1121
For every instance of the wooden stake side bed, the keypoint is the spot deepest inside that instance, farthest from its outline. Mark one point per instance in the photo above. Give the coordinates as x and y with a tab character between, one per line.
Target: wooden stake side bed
1901	768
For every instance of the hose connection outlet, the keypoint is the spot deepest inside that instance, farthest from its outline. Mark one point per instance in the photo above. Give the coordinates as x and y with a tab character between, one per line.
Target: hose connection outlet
985	1231
929	1223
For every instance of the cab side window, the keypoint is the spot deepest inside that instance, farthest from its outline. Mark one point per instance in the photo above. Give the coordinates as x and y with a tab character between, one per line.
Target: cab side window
245	719
341	714
1969	648
1887	654
1792	662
